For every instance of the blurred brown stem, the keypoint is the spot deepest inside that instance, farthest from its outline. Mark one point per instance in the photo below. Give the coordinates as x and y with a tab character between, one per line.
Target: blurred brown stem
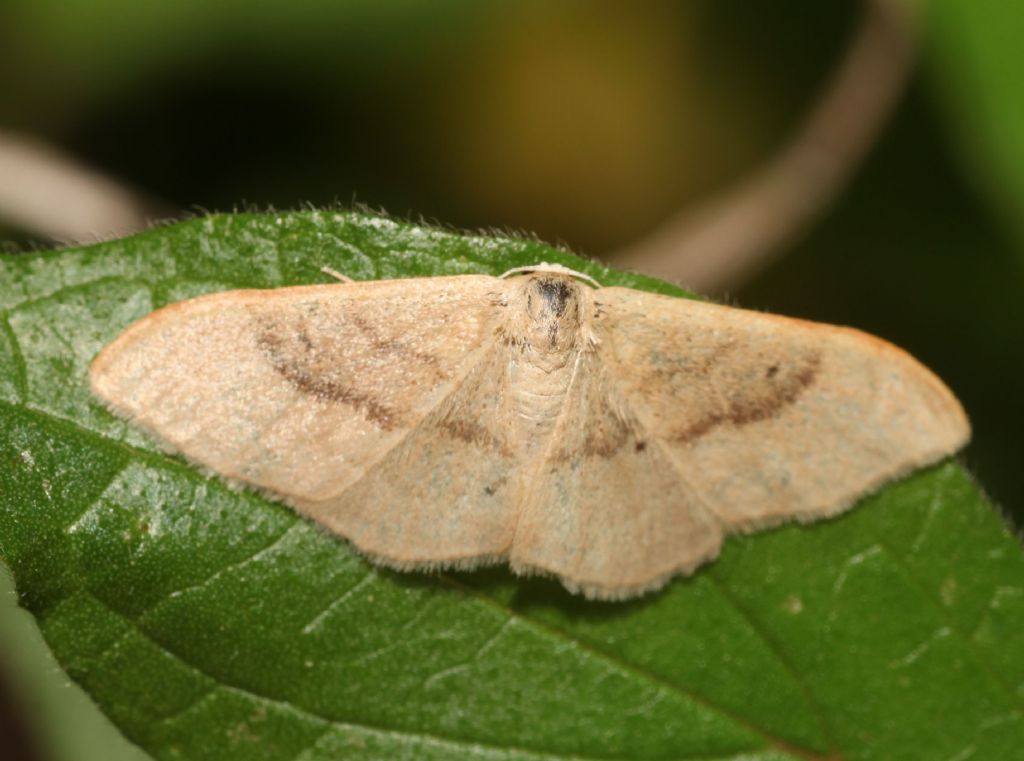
50	195
726	240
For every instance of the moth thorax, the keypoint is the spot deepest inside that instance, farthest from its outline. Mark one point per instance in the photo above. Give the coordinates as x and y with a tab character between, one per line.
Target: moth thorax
548	320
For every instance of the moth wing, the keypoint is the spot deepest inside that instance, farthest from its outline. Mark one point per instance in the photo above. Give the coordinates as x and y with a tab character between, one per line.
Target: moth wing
607	511
297	391
769	418
447	493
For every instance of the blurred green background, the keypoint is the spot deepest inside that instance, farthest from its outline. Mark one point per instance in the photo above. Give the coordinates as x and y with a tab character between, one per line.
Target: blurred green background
586	122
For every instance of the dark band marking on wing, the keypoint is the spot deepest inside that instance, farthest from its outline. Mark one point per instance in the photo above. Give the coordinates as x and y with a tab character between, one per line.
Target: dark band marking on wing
306	380
781	389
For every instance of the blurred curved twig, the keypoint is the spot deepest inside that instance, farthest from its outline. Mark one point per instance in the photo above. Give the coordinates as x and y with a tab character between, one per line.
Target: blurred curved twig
51	195
726	240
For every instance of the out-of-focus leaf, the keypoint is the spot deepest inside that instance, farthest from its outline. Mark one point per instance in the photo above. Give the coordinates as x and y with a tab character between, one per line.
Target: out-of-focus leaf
60	721
212	624
977	64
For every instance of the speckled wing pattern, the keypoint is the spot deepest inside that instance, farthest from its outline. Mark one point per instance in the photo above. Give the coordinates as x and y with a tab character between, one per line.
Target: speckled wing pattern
607	436
297	391
606	509
769	418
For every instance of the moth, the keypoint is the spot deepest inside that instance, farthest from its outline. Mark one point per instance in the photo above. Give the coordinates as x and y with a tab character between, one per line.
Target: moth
606	436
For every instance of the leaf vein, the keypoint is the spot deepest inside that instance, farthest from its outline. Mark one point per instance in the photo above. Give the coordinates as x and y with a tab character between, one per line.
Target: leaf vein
318	619
313	743
777	652
70	526
229	567
970	646
464	665
20	366
656	680
191	705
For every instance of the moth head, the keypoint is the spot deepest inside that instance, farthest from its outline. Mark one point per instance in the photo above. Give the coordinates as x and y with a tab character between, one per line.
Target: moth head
548	311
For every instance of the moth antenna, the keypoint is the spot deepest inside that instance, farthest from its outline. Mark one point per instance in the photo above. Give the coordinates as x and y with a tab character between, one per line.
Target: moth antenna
556	268
336	275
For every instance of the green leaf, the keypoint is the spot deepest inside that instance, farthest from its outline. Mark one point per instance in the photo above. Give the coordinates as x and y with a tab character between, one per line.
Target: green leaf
977	63
209	624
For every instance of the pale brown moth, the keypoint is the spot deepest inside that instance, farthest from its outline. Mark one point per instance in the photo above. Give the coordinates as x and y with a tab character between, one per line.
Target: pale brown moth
606	436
